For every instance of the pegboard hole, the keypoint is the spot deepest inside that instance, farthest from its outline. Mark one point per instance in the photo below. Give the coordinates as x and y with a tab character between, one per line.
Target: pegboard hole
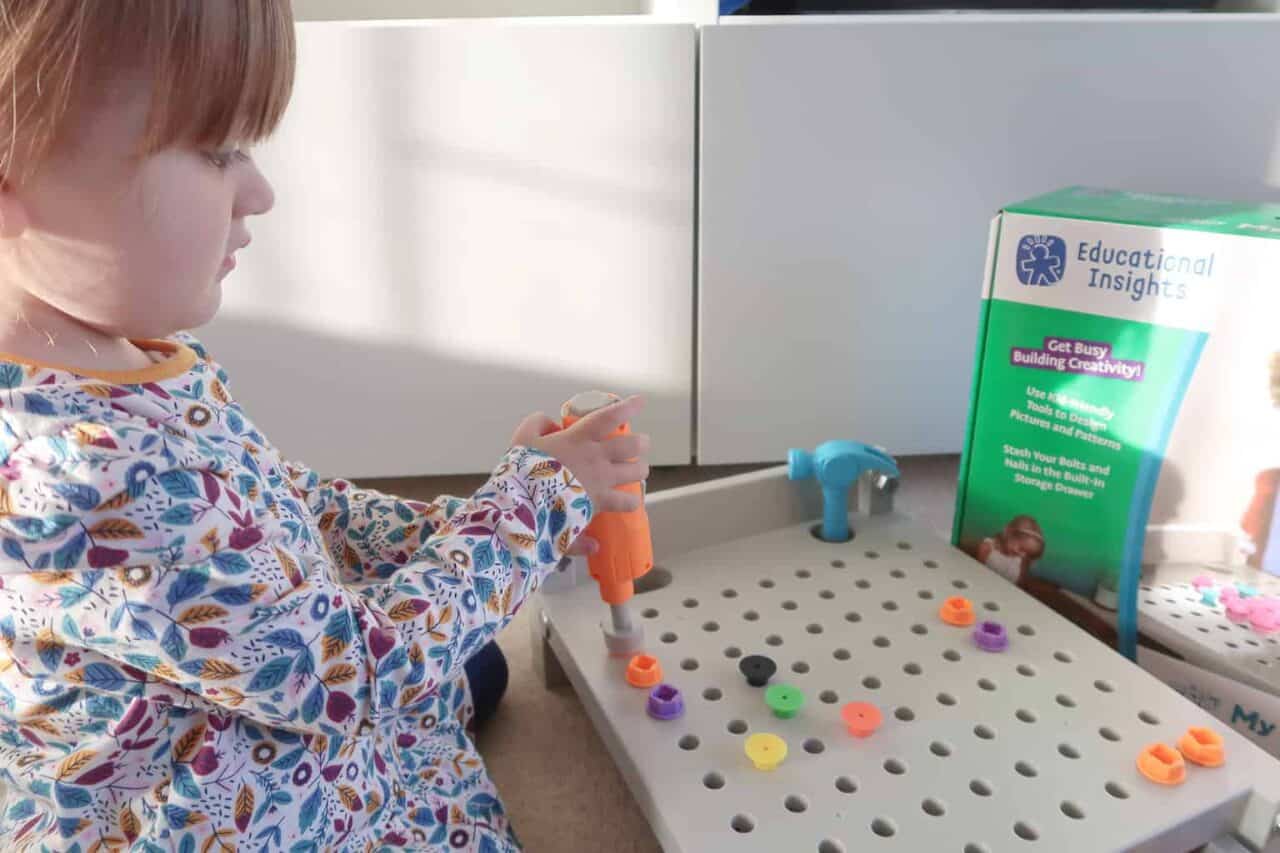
842	654
933	808
991	605
689	742
837	564
905	714
1026	831
743	823
871	682
796	804
931	564
976	848
1109	733
649	613
853	616
733	652
1071	810
729	593
669	637
773	640
940	749
1149	718
1064	657
737	727
884	827
960	584
711	627
862	583
750	615
714	781
872	555
904	546
984	732
813	746
1025	716
653	580
830	845
1026	669
1066	750
919	629
800	668
1026	768
891	606
845	785
689	664
1026	630
946	699
713	694
986	684
813	628
897	573
925	595
767	583
1065	701
981	788
1117	790
913	669
882	642
952	655
804	574
690	602
826	594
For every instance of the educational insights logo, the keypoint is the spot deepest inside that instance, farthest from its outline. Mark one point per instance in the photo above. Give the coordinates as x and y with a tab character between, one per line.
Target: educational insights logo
1042	260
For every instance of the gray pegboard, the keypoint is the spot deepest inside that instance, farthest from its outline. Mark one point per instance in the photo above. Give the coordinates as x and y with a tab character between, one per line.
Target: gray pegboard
1030	749
1175	615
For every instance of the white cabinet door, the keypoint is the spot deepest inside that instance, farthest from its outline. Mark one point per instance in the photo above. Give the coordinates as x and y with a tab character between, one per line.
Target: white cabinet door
475	220
850	168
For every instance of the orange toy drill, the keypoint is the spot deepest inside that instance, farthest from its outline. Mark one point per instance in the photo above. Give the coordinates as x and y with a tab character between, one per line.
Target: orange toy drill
626	548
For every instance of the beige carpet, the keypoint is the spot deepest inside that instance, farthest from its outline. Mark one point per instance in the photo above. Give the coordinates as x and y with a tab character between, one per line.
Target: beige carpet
552	770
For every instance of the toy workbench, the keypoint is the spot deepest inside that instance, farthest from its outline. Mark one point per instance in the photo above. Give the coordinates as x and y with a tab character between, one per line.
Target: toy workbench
1031	743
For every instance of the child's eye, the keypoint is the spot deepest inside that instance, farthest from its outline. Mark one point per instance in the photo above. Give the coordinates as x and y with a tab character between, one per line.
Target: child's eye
223	159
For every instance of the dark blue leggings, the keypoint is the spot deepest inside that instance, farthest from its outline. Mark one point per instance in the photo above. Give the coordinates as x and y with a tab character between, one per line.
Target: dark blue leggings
487	675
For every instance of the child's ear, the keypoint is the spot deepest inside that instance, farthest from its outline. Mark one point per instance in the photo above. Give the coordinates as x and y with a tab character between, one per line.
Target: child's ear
13	213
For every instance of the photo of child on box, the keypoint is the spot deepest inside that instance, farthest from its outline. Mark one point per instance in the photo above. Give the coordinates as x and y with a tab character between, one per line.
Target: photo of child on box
1120	413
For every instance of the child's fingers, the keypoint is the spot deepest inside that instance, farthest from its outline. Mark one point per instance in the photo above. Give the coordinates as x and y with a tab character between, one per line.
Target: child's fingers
584	546
532	428
602	423
627	447
626	473
616	501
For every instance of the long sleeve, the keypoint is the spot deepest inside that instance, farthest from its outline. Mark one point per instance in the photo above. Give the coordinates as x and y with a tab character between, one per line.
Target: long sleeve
245	611
369	534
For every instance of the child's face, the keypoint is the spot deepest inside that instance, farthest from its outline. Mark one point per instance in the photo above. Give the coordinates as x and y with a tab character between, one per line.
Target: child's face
133	248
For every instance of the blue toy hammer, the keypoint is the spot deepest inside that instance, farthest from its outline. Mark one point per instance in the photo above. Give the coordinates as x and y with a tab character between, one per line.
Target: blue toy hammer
837	466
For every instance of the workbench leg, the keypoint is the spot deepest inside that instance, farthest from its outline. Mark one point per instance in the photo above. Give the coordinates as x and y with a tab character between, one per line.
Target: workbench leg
545	663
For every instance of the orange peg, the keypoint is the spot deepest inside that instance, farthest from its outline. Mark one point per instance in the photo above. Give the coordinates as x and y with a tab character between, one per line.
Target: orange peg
957	611
1162	764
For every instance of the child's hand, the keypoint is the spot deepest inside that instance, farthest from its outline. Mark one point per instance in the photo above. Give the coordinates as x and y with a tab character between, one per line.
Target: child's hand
600	460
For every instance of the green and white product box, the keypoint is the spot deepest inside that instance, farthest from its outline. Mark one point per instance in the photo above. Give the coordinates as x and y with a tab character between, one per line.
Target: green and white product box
1125	405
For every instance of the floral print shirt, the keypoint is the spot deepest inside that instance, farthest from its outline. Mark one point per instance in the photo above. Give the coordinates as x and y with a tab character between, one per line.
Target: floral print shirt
204	648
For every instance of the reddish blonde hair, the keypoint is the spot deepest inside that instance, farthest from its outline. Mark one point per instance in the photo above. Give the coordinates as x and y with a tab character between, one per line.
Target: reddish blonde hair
221	70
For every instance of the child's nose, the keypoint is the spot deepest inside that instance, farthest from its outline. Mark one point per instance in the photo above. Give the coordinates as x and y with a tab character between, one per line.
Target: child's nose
256	196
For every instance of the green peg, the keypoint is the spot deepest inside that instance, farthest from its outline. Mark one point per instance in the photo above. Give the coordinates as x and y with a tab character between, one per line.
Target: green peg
783	700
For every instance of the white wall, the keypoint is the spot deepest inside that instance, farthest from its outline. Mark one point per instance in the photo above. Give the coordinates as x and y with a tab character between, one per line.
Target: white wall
850	166
474	221
328	10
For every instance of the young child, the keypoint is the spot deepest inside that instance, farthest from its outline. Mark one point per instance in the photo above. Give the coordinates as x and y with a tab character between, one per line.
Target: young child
1012	551
202	646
